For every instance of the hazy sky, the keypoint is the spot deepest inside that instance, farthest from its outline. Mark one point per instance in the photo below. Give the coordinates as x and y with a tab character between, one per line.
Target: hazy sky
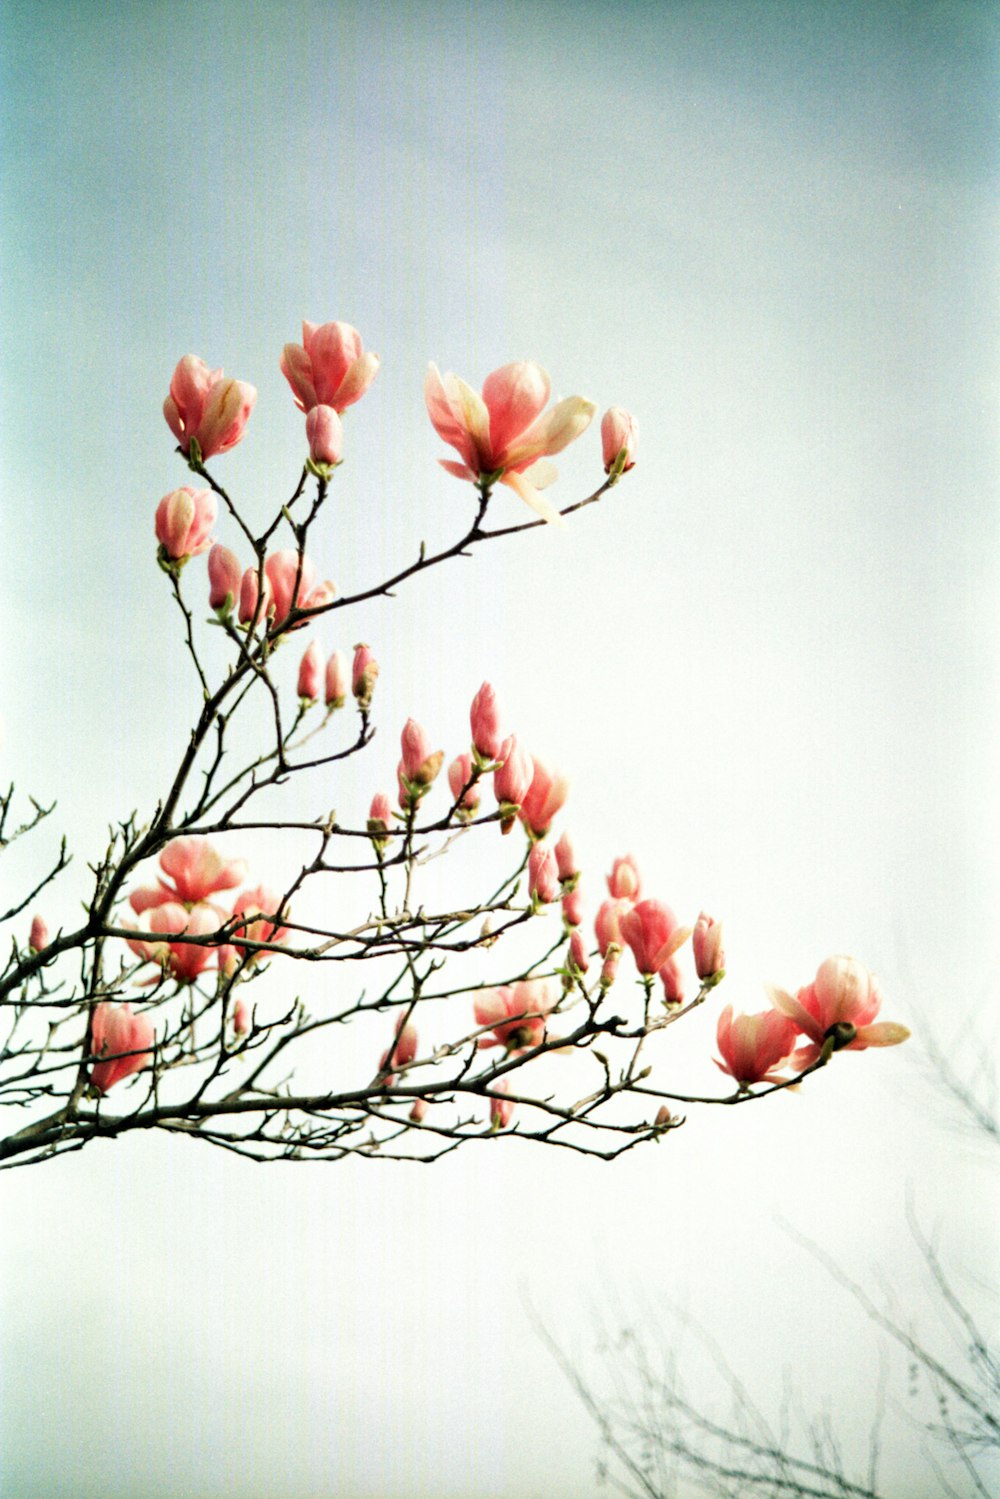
767	661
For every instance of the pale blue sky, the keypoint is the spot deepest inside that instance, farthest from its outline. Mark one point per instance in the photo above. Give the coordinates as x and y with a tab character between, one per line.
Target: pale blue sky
767	661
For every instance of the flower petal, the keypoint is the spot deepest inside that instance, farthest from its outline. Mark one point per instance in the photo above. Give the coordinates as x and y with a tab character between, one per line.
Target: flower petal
533	497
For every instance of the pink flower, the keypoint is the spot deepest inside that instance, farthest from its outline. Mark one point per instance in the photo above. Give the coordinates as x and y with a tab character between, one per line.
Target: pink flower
546	794
624	882
402	1051
184	519
517	1014
282	570
123	1039
501	1109
572	907
329	367
419	767
241	1017
620	438
184	960
578	951
310	673
419	1111
709	958
338	680
503	433
224	579
204	411
844	997
38	937
672	980
607	924
512	778
543	874
249	594
364	675
485	721
459	776
261	919
754	1046
566	859
652	932
609	969
196	870
380	814
325	436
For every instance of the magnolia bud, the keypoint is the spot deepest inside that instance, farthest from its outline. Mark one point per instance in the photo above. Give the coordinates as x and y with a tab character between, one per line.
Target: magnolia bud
223	579
38	938
310	673
364	676
338	679
485	721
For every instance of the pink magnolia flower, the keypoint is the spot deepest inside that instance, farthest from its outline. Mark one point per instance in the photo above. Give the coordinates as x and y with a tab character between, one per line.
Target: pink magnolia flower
843	995
572	907
194	870
325	436
624	882
501	1108
224	578
546	794
123	1040
338	680
205	410
652	932
250	593
609	968
619	438
261	920
329	367
282	570
607	924
459	776
566	859
184	518
184	960
364	675
503	433
484	718
578	951
753	1047
241	1017
543	874
517	1014
310	673
419	1111
672	979
401	1053
38	937
512	778
380	814
709	958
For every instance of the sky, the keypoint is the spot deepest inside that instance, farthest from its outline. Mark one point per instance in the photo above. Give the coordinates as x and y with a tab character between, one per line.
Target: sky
766	660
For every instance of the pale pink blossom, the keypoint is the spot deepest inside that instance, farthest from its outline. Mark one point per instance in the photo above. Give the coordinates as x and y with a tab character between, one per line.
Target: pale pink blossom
566	859
672	979
310	673
572	907
380	814
196	870
503	434
652	932
624	882
419	1111
329	367
459	776
706	940
619	438
578	951
402	1051
123	1040
484	718
249	594
844	997
338	680
241	1017
543	799
501	1108
282	570
609	968
184	960
543	875
325	436
512	778
205	409
517	1014
184	519
364	675
261	920
754	1047
38	937
607	923
224	578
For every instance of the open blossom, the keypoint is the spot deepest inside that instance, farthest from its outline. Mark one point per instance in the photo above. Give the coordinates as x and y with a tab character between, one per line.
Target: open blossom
402	1051
517	1014
619	436
623	881
282	569
329	367
310	673
753	1047
325	436
501	1109
124	1041
543	874
505	433
364	675
194	870
205	408
459	776
652	932
338	680
260	919
224	577
543	799
709	958
843	995
184	519
484	719
184	960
